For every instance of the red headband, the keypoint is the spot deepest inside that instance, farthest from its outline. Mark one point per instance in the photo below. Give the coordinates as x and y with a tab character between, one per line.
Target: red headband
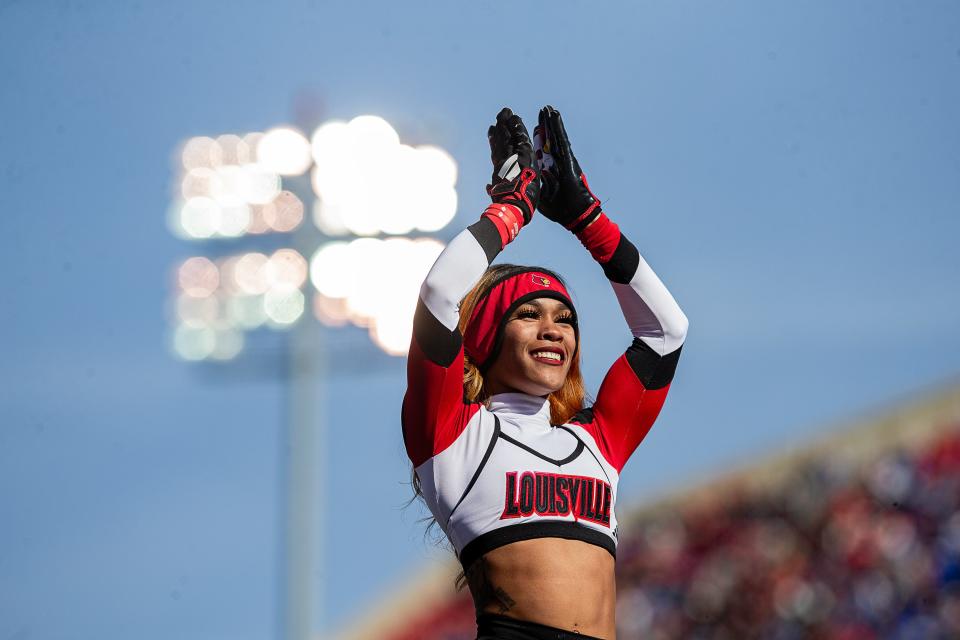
485	330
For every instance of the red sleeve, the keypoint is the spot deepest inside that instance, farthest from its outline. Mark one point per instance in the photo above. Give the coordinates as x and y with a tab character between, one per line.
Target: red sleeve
434	410
623	414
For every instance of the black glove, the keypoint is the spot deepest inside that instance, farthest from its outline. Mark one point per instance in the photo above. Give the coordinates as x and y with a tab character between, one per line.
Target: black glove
566	197
515	178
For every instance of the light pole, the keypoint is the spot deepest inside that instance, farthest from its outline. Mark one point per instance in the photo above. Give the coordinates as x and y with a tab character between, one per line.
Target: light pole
374	202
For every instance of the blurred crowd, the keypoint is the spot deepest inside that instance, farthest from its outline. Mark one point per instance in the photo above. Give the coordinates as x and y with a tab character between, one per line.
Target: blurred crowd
838	552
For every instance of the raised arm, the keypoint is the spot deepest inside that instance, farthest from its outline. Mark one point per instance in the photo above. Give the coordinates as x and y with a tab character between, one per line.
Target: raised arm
635	387
434	411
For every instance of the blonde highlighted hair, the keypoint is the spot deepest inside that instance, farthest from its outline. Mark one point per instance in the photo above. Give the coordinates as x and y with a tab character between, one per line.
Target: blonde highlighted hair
566	401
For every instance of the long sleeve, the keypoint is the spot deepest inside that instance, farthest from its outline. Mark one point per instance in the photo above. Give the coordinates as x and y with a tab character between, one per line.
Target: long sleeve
434	410
636	386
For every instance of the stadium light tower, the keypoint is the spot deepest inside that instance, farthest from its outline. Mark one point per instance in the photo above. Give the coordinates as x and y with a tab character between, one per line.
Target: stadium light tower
369	249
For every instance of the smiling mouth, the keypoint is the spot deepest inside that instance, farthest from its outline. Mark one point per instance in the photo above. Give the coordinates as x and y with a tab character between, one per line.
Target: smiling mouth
548	356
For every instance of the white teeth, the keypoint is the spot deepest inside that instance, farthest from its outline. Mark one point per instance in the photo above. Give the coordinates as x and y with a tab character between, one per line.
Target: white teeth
551	355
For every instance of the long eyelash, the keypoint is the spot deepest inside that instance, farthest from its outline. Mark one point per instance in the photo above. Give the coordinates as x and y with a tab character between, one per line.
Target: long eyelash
533	313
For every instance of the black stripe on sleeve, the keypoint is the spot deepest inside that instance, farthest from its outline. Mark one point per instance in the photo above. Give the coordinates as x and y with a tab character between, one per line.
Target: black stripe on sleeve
584	416
487	236
654	371
623	264
437	342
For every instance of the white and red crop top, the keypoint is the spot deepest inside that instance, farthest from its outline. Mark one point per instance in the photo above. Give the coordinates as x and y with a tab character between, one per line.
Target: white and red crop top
497	474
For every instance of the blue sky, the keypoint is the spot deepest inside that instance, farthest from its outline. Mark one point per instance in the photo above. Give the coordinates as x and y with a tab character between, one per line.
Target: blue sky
791	170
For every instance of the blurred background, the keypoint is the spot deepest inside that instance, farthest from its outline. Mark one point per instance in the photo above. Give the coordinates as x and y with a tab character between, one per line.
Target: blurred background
215	218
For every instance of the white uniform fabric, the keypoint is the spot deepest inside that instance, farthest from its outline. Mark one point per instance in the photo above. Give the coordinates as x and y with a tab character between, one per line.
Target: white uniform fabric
568	452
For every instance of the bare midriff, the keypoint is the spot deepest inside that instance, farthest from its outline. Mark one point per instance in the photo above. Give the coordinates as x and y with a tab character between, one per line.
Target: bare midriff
562	583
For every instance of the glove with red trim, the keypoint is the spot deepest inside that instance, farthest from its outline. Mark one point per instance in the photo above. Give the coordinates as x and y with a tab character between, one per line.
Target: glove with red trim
566	197
515	181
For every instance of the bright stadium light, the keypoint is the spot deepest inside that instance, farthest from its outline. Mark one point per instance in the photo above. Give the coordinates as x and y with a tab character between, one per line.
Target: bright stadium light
227	190
201	152
284	150
368	277
234	220
327	218
258	219
198	182
248	152
226	267
335	173
393	317
198	277
438	209
193	343
246	312
330	270
230	148
283	307
285	270
438	164
246	184
372	133
284	213
200	217
331	311
227	344
249	273
257	184
367	184
374	284
394	338
439	204
197	312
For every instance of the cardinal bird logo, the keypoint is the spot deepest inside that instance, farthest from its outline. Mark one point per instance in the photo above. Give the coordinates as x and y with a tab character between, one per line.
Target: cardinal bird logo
540	280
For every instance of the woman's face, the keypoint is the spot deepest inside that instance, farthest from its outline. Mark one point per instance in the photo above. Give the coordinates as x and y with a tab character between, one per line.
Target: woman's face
538	347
